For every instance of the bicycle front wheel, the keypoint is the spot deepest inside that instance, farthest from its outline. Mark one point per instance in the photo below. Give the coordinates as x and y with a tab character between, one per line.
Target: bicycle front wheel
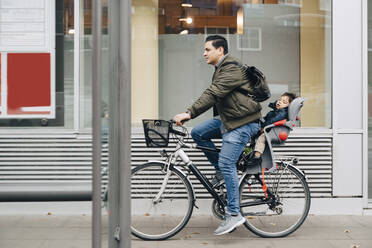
162	202
282	209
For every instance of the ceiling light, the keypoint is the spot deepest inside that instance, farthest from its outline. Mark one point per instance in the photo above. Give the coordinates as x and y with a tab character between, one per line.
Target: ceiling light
188	20
186	3
240	21
183	18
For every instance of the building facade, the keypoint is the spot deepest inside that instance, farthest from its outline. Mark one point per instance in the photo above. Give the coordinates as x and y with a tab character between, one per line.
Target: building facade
317	49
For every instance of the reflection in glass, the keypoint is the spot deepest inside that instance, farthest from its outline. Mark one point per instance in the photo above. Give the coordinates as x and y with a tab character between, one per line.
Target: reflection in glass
86	45
289	40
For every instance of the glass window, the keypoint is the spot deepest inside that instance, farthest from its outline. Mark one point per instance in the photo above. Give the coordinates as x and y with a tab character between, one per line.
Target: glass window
86	46
297	3
251	41
290	41
64	72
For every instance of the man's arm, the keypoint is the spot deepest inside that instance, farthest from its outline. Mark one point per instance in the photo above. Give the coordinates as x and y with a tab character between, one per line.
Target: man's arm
181	118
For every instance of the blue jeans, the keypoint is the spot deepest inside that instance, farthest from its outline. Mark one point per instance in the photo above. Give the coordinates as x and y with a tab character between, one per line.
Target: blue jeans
233	144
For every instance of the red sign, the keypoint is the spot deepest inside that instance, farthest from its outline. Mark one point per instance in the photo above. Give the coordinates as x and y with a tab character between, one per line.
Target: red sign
28	83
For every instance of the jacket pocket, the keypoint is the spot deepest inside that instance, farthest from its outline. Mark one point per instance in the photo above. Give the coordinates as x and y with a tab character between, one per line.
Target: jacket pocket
238	105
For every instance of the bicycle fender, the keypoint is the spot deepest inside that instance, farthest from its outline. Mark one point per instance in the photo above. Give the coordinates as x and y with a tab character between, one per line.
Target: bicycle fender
297	169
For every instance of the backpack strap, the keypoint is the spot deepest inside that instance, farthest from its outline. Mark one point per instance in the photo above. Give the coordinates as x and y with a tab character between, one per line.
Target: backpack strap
244	92
241	90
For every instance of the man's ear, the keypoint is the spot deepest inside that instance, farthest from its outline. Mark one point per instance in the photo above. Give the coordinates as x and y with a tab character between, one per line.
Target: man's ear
220	49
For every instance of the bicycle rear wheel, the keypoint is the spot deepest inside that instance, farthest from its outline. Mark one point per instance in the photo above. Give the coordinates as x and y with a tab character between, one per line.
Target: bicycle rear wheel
155	216
287	207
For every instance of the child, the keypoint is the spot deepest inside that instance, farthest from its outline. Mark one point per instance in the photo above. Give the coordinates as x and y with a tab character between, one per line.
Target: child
279	112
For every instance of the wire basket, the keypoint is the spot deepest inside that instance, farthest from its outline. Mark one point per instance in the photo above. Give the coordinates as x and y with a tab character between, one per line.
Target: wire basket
156	132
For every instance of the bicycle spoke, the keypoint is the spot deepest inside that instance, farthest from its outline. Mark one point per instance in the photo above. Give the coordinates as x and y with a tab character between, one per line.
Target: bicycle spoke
286	207
158	216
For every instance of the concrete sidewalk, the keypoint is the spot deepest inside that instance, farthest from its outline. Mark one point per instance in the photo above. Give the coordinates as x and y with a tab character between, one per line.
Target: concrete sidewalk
74	231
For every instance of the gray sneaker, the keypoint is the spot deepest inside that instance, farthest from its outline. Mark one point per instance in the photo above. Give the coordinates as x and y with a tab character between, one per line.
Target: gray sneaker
218	179
229	223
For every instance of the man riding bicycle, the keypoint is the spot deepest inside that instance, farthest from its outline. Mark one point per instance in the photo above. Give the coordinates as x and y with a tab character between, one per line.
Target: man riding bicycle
236	120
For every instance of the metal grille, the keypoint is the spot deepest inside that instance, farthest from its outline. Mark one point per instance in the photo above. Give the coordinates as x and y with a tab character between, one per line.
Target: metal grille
46	158
313	151
34	161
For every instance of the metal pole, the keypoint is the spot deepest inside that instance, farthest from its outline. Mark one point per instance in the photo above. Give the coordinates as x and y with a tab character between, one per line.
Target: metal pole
96	120
114	114
125	121
77	23
120	124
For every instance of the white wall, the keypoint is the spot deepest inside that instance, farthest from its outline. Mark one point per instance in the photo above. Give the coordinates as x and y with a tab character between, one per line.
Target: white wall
348	106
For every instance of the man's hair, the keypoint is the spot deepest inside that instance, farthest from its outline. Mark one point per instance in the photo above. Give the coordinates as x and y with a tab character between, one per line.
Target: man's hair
290	95
218	41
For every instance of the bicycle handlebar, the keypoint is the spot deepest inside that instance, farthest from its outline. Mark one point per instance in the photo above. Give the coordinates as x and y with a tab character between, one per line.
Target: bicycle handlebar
176	132
203	148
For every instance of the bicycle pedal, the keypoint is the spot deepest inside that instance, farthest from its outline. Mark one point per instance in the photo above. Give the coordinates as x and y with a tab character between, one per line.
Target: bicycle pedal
219	184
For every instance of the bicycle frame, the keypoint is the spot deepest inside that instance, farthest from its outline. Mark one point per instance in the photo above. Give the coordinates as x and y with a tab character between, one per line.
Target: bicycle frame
180	153
265	191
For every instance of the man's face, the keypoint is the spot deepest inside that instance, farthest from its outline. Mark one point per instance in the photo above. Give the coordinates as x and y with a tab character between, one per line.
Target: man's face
283	102
211	54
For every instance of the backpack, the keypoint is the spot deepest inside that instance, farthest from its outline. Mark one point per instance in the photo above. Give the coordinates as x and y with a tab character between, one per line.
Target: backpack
261	91
258	83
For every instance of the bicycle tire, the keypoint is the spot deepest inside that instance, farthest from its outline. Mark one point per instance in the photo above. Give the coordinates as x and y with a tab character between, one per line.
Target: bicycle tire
291	206
163	219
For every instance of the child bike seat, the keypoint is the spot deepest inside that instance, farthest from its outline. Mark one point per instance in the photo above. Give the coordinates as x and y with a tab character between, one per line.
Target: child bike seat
277	133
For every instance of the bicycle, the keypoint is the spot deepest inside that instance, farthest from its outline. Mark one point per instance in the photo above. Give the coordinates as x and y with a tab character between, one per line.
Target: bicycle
275	201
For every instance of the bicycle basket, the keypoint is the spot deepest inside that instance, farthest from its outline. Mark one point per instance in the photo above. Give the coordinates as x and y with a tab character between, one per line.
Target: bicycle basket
156	132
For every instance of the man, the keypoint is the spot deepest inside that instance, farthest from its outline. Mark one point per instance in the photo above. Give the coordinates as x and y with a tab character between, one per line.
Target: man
236	120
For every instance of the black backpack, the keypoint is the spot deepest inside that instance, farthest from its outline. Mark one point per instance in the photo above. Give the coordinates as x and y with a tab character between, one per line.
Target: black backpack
261	91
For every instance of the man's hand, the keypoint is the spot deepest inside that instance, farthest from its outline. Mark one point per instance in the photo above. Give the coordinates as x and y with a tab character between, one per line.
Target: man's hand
181	118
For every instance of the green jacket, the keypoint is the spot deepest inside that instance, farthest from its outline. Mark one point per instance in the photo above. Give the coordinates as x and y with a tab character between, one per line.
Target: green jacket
235	108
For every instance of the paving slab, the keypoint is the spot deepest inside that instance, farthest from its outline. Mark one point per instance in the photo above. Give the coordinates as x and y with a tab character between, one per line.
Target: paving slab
332	221
351	243
5	243
54	231
11	220
283	243
69	244
362	233
236	243
42	221
322	233
365	221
